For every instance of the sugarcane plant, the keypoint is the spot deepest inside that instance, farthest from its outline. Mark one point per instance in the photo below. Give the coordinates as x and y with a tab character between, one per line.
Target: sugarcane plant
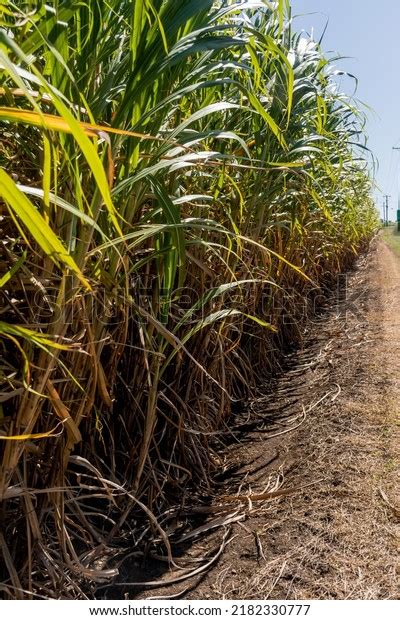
176	178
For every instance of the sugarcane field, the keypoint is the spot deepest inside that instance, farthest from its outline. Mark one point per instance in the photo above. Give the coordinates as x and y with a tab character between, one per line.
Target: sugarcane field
199	305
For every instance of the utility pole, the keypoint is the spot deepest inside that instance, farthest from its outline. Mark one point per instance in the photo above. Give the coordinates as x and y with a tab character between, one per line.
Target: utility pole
398	214
386	210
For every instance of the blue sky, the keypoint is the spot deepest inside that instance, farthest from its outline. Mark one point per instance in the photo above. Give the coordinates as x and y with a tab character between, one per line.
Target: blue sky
367	31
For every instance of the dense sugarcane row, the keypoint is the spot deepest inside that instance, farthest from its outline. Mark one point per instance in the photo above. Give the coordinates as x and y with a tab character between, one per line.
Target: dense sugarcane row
179	181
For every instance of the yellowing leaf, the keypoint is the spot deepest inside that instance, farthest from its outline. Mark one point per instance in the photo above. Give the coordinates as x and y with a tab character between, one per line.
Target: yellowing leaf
57	123
28	334
37	226
28	436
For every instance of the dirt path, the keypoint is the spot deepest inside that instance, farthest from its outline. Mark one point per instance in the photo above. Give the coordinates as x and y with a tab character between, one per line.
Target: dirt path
338	535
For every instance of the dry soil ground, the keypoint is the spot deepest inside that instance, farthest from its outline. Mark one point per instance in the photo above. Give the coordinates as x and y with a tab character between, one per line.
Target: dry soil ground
328	436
